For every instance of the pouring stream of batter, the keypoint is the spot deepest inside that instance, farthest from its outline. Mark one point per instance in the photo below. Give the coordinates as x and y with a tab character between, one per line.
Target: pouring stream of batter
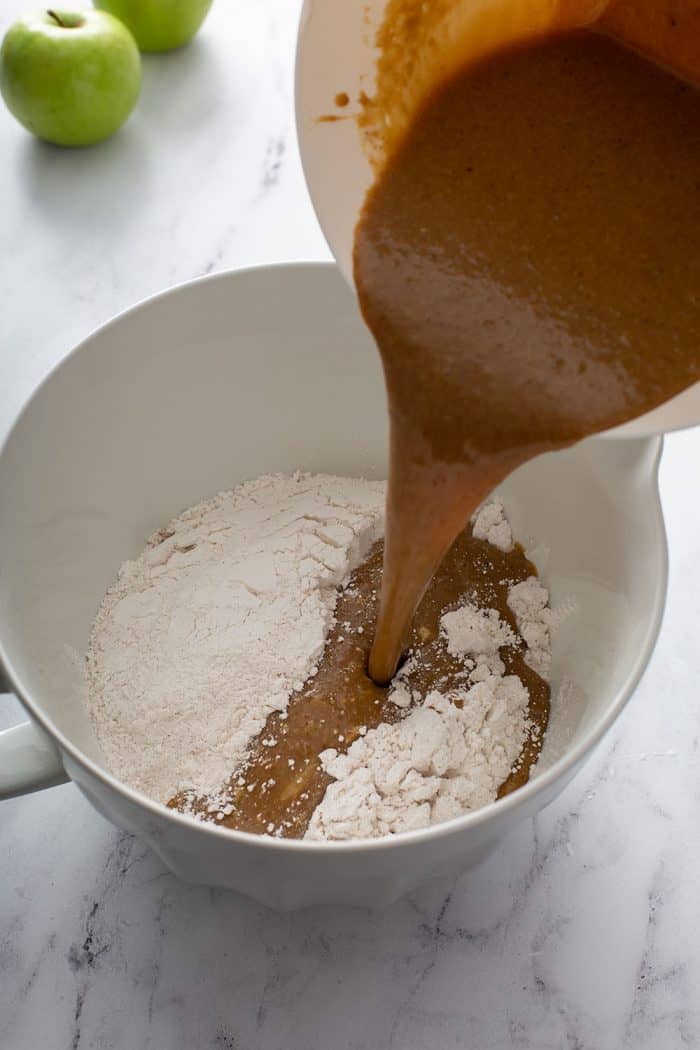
528	262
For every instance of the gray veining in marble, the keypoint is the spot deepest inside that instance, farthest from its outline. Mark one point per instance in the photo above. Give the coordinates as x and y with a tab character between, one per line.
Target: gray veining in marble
580	933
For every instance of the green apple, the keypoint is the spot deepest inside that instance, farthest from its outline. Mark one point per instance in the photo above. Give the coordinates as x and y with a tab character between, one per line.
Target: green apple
159	25
71	77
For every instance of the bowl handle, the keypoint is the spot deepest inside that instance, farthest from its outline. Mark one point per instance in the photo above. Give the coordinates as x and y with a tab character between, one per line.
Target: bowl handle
28	759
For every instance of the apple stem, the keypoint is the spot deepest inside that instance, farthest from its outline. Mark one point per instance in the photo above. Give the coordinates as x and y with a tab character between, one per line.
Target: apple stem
57	20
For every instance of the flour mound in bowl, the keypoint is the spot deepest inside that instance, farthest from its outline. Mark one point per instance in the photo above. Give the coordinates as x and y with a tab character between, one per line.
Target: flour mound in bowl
227	667
217	621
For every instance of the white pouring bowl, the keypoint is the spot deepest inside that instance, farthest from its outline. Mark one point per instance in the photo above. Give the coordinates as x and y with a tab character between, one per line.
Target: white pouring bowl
335	53
223	379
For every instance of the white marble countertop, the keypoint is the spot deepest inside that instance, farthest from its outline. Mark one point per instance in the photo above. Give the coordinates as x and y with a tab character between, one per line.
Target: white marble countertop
580	933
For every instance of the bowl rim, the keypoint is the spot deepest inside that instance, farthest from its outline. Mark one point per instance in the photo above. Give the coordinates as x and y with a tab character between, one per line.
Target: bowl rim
301	134
564	765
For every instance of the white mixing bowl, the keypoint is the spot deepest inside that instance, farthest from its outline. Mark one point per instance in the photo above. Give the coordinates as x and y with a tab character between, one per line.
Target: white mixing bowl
224	379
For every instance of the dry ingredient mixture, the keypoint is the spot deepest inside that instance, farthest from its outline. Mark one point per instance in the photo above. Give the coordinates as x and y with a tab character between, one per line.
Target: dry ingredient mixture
227	667
219	620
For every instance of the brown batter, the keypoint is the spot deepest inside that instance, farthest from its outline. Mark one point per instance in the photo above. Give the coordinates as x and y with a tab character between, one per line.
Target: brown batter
529	264
283	781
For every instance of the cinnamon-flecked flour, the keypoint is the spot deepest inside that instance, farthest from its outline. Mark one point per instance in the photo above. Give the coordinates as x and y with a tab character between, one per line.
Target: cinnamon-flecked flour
225	678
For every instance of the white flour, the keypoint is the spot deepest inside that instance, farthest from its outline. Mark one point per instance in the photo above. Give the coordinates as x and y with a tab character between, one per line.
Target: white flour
217	621
491	524
225	614
529	603
439	762
442	759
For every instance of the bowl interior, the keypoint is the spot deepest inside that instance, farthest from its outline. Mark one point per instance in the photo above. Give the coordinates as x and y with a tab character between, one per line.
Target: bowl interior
272	370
